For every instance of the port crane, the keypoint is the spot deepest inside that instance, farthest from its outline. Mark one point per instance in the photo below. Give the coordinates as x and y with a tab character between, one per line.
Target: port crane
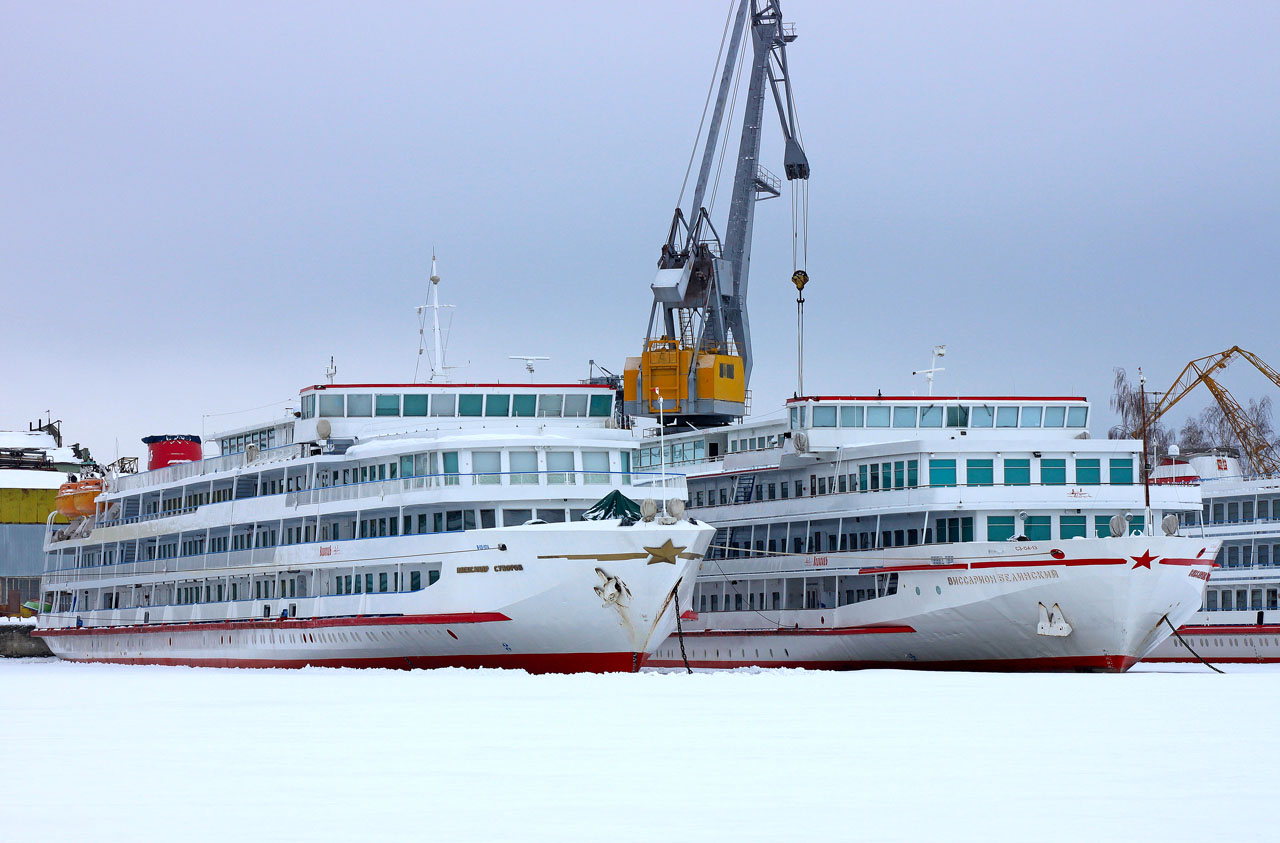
696	361
1260	454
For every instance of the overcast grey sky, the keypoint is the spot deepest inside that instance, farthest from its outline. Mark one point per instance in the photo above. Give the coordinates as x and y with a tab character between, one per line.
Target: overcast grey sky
200	203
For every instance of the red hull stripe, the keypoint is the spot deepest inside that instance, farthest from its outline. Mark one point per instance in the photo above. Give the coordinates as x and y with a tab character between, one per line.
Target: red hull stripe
1230	629
1212	660
289	625
1111	664
921	398
1208	563
849	630
531	662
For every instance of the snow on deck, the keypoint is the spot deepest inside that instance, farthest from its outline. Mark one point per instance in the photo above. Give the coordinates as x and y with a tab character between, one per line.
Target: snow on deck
135	753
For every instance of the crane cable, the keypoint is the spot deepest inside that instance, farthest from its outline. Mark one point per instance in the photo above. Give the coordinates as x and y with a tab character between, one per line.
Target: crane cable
706	105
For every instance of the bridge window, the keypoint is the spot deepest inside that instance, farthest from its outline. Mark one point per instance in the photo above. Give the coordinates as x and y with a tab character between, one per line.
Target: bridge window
470	405
331	406
575	406
824	416
931	417
982	417
387	405
415	405
957	416
851	416
524	405
1006	416
902	417
1031	416
549	405
877	417
359	405
444	404
308	405
1055	416
1077	416
497	406
601	406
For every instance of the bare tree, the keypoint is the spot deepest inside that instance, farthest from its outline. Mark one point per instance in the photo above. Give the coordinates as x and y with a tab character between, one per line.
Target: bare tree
1126	401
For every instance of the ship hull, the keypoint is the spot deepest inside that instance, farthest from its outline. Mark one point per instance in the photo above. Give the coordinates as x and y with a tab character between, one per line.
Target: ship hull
1227	643
547	598
984	607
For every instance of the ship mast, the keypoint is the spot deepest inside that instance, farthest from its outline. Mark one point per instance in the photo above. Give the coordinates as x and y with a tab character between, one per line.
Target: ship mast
433	304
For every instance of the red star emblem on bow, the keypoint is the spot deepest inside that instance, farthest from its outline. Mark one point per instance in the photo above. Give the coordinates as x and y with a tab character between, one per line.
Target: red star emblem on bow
1144	561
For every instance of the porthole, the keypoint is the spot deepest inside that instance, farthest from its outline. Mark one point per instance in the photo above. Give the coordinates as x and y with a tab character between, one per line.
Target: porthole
938	588
917	591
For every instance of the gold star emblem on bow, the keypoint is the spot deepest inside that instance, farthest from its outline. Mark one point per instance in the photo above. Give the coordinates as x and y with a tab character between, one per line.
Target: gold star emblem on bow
667	552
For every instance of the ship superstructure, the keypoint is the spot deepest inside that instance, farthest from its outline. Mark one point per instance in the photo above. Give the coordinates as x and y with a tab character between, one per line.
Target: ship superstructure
974	532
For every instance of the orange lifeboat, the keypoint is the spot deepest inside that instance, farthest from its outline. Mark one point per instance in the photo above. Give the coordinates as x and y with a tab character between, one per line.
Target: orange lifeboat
65	501
85	495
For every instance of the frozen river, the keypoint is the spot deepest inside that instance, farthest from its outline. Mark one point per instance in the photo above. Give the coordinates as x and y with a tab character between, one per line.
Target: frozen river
164	753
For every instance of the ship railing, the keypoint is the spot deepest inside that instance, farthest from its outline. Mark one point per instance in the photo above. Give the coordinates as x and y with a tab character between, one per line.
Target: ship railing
648	480
196	468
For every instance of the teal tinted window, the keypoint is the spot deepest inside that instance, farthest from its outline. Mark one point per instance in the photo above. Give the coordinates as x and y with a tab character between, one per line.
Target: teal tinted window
601	406
982	417
1006	416
388	405
497	405
999	528
899	474
1102	526
1121	472
444	404
1031	416
1055	416
1053	472
862	478
824	416
913	474
415	405
359	405
1136	524
450	462
524	405
980	472
406	466
415	580
470	405
1077	416
1017	472
957	417
931	417
902	417
851	417
1073	526
331	406
1039	528
877	417
942	472
1088	473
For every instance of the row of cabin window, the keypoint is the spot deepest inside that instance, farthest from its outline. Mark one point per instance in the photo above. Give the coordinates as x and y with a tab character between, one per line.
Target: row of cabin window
1232	512
1017	472
1241	599
673	453
546	405
951	415
1248	554
772	600
944	531
264	439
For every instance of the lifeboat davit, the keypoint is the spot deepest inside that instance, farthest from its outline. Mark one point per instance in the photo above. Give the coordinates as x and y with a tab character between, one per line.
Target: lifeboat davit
65	501
85	496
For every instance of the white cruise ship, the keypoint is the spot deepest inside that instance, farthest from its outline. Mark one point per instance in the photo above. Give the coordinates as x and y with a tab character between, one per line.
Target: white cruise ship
401	525
981	532
1239	620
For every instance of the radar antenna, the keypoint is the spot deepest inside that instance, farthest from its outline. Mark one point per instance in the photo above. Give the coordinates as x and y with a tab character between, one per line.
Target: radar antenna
529	360
934	368
331	370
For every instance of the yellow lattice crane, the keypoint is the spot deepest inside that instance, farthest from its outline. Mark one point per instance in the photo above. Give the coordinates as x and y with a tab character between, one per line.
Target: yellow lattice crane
1257	450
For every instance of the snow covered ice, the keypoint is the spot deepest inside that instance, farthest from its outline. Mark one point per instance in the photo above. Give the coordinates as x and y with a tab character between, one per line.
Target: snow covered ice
108	752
